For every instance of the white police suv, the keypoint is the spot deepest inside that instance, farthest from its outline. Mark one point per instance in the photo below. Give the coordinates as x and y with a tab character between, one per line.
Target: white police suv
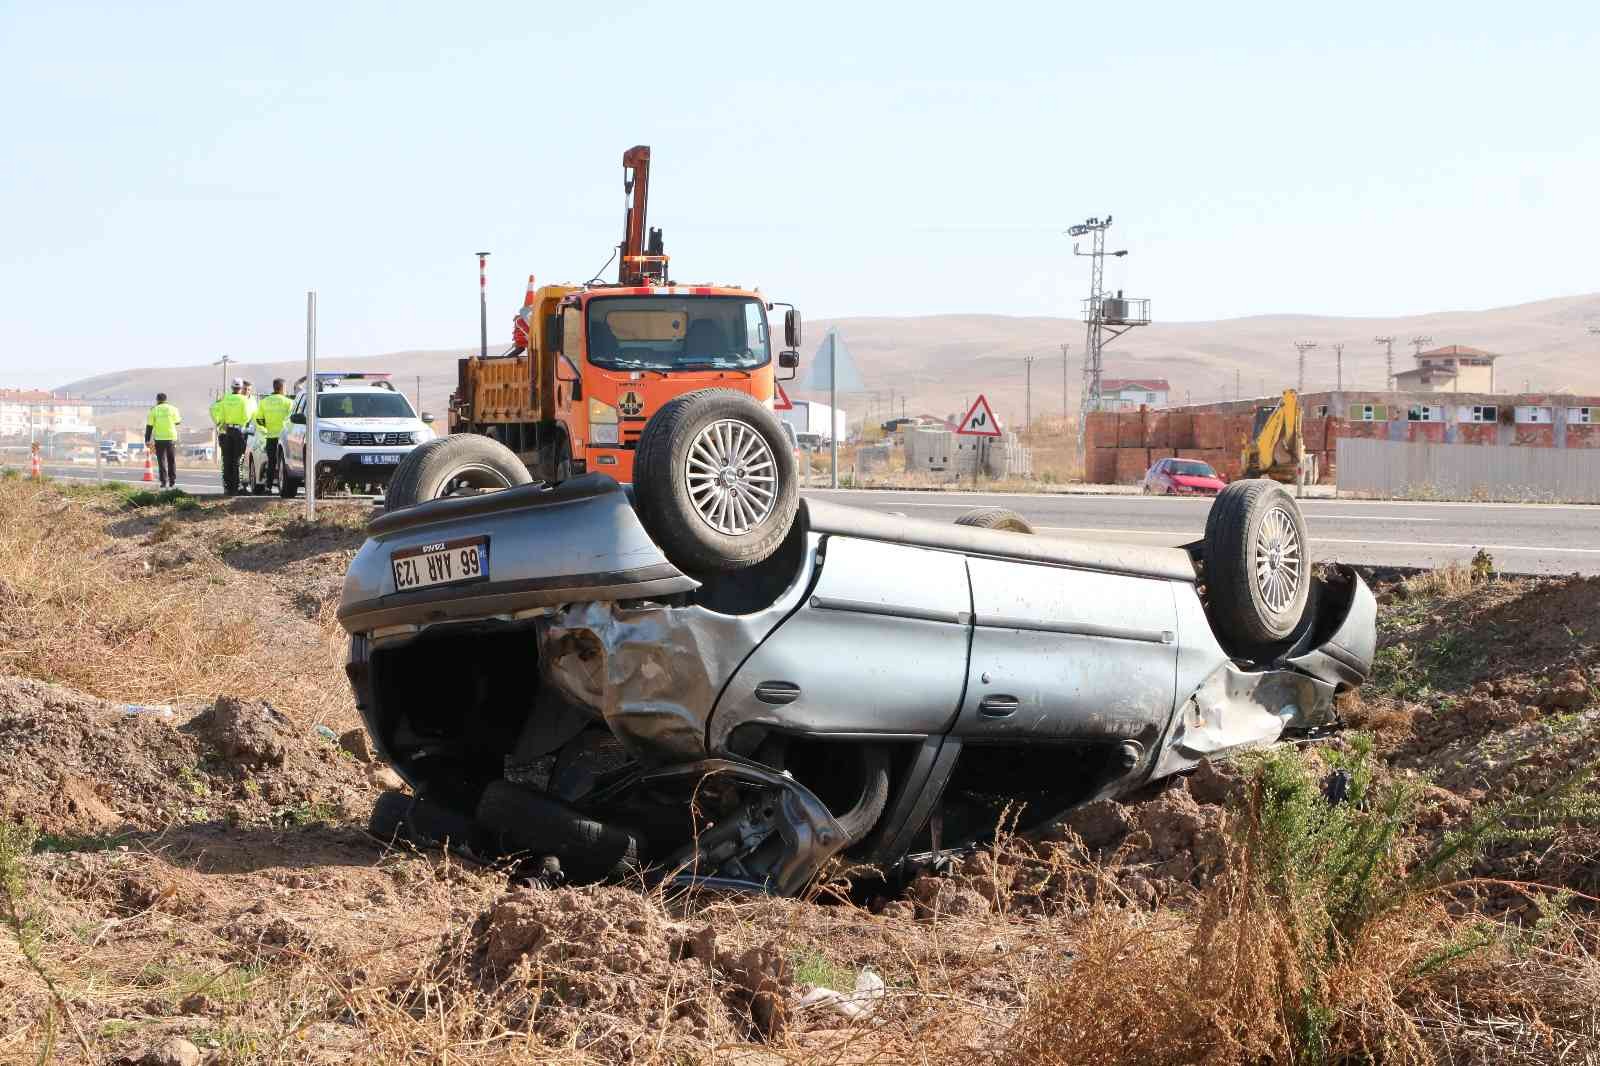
365	426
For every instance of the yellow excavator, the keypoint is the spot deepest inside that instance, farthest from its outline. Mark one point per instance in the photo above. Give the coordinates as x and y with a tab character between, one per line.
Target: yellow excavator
1277	445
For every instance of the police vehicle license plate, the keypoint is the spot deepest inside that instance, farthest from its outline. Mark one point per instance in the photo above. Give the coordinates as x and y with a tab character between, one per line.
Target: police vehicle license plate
377	460
450	562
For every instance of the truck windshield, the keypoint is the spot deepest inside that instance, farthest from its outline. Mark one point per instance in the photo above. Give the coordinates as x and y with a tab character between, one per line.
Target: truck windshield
363	405
677	333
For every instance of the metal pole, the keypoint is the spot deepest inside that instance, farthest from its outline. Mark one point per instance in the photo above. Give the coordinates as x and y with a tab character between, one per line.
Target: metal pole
311	406
833	414
419	394
1066	361
483	304
1027	416
1338	356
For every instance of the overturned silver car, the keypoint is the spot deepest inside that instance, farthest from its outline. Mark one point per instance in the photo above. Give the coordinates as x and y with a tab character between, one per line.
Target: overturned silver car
553	686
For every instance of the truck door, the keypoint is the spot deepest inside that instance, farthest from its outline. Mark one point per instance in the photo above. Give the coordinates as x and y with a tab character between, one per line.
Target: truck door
1065	654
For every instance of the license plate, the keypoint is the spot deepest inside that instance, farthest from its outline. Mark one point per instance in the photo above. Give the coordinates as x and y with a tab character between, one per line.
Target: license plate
450	562
377	460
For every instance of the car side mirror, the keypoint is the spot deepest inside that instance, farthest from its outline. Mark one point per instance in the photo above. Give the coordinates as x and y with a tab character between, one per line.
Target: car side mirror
788	360
427	419
298	418
791	328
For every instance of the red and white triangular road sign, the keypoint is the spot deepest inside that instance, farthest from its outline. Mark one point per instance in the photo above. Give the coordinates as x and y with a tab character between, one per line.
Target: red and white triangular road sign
781	402
980	420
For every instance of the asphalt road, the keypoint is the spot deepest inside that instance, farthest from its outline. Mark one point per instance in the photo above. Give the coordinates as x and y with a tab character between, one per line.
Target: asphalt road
1523	538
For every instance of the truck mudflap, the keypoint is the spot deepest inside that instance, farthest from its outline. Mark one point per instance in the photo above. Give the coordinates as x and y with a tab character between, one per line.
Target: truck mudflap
775	838
590	547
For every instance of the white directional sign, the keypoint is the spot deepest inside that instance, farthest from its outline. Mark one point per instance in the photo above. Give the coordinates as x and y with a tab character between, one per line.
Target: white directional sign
980	420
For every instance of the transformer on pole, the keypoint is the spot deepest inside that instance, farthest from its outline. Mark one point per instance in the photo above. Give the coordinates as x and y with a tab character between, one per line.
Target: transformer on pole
1105	317
1388	361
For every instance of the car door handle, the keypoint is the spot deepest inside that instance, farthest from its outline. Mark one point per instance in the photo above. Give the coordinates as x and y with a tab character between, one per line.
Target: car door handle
998	706
777	693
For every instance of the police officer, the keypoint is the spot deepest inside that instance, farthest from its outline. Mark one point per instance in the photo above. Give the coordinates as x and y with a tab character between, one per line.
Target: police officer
232	414
271	413
161	430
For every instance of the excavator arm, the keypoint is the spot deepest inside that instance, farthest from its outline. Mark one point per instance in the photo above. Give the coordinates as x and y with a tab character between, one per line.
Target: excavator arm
1278	448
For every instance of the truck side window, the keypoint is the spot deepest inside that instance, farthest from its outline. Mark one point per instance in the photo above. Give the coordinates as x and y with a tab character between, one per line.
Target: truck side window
571	330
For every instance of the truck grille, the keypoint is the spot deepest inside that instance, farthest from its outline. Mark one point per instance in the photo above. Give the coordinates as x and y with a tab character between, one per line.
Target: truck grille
376	440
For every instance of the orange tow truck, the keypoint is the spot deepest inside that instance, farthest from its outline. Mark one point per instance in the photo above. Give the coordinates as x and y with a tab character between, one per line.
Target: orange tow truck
589	364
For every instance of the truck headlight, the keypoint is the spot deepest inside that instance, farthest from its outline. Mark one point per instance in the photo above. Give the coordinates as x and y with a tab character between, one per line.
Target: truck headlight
330	436
603	423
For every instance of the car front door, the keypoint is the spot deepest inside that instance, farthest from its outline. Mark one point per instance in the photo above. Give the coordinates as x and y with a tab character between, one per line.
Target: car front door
1067	654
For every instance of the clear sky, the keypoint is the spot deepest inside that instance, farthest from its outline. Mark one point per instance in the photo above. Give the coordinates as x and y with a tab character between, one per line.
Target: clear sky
174	177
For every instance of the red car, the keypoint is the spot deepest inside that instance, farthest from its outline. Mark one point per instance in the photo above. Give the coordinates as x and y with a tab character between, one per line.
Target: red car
1182	477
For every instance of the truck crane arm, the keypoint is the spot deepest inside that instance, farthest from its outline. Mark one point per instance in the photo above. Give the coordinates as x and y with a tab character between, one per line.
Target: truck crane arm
639	264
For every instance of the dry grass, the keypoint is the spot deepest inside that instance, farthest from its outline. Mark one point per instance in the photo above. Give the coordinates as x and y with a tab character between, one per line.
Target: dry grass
141	606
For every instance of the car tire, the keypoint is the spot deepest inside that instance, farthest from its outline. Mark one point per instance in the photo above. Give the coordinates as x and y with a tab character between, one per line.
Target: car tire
1257	567
995	518
437	468
287	486
705	525
870	791
518	820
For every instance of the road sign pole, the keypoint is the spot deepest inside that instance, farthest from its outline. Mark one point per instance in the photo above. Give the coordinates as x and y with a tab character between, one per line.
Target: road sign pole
310	461
833	414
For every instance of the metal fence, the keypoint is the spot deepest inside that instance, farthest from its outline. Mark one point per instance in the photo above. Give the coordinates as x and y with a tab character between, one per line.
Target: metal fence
1518	473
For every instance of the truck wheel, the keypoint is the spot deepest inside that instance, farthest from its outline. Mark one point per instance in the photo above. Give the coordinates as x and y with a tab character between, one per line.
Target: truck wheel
995	518
1258	570
461	464
714	481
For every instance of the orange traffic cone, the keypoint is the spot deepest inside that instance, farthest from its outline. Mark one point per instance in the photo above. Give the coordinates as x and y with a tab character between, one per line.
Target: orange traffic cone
148	474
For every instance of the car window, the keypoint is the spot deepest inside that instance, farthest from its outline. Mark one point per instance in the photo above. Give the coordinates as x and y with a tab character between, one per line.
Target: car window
363	405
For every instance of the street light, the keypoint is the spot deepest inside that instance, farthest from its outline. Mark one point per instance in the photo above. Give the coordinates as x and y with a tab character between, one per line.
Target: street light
223	363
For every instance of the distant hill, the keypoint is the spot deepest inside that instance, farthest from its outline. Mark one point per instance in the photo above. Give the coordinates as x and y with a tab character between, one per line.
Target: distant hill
938	363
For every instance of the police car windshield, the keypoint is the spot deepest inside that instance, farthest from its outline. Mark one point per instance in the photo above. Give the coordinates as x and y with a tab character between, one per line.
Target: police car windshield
363	405
677	333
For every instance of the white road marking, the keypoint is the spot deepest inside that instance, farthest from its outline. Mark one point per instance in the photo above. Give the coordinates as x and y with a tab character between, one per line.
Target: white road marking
1338	540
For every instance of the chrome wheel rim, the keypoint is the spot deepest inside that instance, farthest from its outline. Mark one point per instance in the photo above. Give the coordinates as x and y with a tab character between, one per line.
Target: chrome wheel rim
472	480
731	476
1278	559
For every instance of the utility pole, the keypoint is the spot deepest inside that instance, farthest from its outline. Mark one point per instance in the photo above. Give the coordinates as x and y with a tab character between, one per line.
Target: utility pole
1421	342
483	304
1236	384
1388	361
1066	362
223	363
1105	318
1338	358
1027	418
1303	347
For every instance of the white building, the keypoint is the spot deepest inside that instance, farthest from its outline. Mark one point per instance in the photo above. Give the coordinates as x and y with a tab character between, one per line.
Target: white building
30	412
1129	394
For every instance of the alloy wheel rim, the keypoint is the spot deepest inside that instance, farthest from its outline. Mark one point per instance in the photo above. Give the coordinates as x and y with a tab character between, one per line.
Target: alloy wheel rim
731	476
472	480
1277	562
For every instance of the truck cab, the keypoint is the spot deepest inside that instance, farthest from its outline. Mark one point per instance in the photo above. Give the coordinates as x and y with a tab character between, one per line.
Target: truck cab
589	364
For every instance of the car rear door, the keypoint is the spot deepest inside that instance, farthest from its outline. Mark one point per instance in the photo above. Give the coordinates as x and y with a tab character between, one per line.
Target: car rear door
1062	653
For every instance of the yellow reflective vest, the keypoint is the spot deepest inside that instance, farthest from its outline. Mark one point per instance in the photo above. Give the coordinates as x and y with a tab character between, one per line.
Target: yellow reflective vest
163	421
234	410
272	412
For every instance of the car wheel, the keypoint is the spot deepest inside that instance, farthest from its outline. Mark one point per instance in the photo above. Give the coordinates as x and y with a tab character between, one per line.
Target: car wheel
287	486
714	481
851	779
462	464
1258	570
995	518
